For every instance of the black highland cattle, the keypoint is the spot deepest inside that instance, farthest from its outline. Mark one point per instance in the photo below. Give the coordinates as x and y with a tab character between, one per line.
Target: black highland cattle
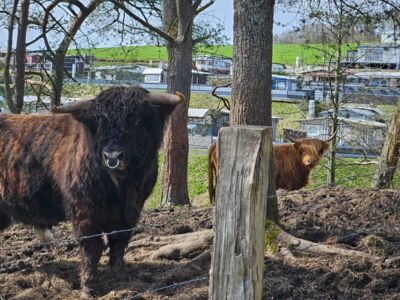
91	162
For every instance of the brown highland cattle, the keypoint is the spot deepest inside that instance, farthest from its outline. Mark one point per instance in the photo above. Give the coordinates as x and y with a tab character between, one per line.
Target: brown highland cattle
293	163
93	162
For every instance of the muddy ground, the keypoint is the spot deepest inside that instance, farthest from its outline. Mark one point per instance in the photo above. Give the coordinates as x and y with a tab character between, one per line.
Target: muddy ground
364	220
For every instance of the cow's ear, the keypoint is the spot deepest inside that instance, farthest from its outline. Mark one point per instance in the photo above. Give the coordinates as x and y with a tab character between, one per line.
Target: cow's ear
86	118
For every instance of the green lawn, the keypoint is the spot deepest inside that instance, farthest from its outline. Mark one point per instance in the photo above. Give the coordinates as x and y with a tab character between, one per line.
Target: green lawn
349	174
282	53
197	177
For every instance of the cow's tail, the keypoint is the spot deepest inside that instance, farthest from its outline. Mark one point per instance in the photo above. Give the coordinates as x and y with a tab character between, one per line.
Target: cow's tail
211	167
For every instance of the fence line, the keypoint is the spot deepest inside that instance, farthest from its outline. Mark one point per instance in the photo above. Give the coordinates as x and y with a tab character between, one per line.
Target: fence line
138	228
141	226
171	286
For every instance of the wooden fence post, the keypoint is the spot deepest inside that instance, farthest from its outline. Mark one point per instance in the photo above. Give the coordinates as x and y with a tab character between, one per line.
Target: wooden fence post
239	216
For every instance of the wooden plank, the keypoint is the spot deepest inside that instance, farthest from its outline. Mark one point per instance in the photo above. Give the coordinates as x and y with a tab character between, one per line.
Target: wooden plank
239	216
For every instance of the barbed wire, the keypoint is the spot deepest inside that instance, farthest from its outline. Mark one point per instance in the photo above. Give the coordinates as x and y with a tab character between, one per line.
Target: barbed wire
171	286
136	229
142	226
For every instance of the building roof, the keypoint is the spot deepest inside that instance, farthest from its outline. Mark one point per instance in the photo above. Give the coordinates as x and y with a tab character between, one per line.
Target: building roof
202	112
275	76
197	112
322	73
153	71
366	111
129	68
159	71
366	123
359	107
378	74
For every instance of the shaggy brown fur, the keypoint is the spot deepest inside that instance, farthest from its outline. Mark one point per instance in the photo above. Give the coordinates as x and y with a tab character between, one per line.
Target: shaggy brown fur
52	169
293	164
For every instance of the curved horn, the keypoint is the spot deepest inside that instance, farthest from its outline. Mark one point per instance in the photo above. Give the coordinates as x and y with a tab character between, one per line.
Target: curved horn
332	136
72	107
166	99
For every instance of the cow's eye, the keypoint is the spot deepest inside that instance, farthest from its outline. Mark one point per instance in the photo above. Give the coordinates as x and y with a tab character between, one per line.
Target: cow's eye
301	149
321	152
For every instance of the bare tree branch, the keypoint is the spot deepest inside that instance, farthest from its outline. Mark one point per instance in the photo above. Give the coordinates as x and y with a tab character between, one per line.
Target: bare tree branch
121	5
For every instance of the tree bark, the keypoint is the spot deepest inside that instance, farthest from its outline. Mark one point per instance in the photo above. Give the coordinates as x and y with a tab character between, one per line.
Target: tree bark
20	56
7	77
252	77
177	22
252	61
389	158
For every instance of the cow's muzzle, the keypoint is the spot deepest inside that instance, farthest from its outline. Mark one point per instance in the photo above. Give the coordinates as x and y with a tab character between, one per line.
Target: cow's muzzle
113	159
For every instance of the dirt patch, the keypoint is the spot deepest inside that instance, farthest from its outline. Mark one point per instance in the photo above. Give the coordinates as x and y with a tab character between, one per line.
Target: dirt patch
364	220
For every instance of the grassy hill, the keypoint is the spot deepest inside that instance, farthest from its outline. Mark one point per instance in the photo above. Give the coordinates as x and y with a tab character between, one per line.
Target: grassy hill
282	53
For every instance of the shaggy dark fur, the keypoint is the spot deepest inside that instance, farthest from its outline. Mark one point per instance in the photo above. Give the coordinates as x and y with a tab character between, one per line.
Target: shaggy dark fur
293	164
51	169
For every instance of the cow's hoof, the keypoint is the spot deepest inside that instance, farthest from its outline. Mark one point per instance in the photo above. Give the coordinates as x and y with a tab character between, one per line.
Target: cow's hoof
44	235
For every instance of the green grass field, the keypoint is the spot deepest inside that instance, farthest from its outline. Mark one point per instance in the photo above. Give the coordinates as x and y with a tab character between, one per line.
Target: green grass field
282	53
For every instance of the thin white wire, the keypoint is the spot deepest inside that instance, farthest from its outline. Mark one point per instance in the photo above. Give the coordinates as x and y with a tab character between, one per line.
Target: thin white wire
174	285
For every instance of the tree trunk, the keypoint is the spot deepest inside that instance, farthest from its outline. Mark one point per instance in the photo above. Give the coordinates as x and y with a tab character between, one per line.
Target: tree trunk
58	61
340	34
252	60
389	158
177	21
62	49
7	77
252	78
331	176
20	56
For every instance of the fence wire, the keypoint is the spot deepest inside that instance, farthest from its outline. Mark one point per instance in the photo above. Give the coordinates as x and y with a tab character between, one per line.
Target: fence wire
141	227
171	286
136	229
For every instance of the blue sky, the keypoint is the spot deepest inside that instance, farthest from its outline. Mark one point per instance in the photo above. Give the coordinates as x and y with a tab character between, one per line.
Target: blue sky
221	9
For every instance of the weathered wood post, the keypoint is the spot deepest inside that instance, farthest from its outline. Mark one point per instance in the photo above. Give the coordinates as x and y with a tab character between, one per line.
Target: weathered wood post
239	216
389	158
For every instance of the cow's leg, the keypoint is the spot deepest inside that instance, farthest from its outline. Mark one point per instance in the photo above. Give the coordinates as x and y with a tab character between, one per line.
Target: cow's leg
117	244
5	220
88	232
90	250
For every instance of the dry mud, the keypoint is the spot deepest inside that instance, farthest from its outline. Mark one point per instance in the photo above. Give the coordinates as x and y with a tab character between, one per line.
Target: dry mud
365	220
